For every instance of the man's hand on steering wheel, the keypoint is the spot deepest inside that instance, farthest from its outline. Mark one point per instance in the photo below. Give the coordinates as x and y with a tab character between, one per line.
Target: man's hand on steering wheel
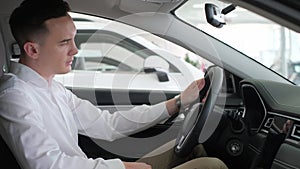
186	98
191	93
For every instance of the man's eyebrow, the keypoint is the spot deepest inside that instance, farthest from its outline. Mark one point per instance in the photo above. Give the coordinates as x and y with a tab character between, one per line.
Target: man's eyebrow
64	40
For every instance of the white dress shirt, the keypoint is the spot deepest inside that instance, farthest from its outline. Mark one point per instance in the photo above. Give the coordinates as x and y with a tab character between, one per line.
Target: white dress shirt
40	122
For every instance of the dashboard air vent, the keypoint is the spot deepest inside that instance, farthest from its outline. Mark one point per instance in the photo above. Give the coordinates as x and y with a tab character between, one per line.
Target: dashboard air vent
296	132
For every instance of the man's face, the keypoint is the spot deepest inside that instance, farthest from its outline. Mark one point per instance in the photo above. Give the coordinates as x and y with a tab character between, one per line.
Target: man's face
57	49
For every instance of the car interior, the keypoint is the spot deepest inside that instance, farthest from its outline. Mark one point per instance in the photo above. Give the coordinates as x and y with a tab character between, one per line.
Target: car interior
242	121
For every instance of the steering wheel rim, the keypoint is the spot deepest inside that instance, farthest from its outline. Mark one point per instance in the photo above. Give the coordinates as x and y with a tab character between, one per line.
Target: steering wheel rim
201	114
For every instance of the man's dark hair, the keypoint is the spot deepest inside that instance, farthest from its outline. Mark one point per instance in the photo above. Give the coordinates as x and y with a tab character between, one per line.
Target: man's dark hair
27	20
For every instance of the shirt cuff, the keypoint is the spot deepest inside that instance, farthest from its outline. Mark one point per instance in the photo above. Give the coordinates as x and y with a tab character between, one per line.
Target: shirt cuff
115	163
162	107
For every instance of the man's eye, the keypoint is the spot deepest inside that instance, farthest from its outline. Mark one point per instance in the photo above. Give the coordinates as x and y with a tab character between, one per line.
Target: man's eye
64	42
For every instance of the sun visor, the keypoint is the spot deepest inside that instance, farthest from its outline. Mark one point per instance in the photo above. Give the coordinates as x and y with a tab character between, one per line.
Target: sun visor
137	6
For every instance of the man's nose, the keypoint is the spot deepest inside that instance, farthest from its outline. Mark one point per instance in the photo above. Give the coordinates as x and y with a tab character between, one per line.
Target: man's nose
74	49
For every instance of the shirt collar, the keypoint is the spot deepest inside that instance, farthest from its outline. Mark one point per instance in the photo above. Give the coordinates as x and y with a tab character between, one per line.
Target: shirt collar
27	74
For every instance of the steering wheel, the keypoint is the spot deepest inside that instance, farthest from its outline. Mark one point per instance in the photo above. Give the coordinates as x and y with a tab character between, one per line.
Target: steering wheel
201	119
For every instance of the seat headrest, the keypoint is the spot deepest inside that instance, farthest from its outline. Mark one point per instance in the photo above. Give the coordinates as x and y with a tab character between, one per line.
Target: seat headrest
16	52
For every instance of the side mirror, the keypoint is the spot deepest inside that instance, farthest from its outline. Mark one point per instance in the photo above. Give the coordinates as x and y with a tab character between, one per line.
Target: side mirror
156	64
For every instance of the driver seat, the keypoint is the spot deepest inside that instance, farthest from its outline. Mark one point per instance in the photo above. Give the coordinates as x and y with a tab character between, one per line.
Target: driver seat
6	156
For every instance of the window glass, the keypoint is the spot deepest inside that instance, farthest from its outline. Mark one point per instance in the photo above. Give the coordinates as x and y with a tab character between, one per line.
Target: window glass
106	57
113	55
108	46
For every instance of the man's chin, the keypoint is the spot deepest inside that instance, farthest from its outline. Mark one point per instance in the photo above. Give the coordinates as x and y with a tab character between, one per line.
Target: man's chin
64	72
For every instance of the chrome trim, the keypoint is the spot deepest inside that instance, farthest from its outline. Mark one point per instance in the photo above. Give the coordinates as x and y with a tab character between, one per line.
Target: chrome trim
294	130
264	131
269	121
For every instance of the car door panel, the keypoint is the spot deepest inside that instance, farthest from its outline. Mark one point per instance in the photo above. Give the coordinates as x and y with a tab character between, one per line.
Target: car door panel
137	145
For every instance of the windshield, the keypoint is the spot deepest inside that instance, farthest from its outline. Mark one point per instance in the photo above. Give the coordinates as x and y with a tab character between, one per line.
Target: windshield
269	43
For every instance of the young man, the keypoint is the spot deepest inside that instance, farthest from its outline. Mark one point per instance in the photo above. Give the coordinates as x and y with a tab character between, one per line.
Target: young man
40	119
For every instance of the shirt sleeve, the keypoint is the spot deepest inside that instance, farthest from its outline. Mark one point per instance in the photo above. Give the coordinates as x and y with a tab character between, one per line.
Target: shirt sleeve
109	126
22	129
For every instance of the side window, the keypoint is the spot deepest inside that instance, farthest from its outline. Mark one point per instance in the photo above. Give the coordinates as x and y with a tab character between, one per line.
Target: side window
105	46
106	57
106	50
109	46
114	55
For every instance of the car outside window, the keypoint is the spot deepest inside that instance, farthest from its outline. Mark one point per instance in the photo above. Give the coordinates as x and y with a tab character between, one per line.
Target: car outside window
99	36
106	49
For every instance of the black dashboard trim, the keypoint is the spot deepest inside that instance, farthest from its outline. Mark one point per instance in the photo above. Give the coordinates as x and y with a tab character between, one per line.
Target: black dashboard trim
262	102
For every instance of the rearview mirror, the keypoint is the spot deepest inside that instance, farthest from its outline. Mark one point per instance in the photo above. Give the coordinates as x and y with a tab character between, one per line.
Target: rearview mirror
214	15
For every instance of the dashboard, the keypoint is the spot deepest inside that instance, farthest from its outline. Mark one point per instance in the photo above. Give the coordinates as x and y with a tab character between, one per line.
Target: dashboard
274	109
261	125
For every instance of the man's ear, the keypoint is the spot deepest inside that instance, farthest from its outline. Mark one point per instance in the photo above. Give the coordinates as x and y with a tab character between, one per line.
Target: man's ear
31	49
